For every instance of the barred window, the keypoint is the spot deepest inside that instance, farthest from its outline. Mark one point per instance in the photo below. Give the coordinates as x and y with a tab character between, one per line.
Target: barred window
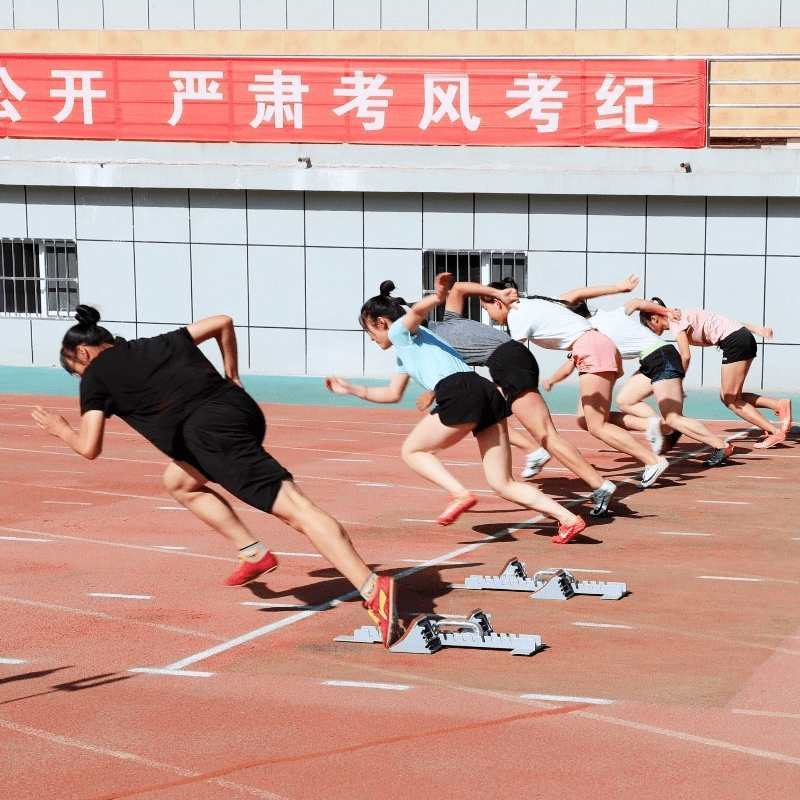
38	277
475	266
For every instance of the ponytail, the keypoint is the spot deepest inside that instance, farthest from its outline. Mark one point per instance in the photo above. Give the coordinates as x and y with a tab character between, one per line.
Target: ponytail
383	305
86	332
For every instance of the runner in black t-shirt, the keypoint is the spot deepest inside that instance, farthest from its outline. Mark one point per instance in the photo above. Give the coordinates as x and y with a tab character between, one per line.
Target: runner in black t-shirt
167	390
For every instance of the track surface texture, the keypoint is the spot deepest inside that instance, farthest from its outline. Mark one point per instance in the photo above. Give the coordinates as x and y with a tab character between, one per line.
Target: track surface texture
128	670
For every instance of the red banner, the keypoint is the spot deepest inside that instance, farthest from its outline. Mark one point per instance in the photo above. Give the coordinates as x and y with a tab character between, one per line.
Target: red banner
531	102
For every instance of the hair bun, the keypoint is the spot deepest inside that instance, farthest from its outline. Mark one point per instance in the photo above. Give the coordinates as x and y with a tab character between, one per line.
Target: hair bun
86	315
386	288
659	301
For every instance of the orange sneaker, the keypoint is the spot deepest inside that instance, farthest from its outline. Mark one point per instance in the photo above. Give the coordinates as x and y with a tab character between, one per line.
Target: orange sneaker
458	505
784	413
250	570
566	534
771	440
383	610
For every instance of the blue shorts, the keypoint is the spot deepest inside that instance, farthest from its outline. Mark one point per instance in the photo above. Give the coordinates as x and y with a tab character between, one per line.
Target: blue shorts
663	364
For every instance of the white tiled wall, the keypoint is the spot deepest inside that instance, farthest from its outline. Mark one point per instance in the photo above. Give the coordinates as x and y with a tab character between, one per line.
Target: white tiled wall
293	269
396	15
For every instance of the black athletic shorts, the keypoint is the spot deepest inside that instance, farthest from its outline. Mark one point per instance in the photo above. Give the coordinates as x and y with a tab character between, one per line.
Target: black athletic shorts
223	439
514	369
662	364
468	397
739	346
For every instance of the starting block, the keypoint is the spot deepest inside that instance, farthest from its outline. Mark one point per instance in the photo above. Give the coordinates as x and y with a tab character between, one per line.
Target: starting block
429	633
546	584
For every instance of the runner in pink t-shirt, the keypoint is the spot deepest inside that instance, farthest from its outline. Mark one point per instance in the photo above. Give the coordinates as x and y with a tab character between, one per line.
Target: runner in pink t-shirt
737	342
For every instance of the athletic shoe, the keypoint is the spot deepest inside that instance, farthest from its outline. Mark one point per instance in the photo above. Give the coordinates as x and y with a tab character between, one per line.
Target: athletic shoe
566	534
654	436
671	440
651	473
534	463
771	440
458	505
719	456
784	413
249	570
600	497
383	611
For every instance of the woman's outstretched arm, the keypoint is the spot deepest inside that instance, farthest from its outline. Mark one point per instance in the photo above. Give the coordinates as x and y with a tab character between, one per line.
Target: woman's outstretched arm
87	441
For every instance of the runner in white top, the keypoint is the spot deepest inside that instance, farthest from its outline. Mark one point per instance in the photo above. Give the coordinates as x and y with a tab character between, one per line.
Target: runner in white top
660	372
549	323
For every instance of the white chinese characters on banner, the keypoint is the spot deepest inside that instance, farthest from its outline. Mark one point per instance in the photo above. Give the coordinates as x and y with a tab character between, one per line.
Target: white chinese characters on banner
369	99
71	93
193	85
278	97
456	84
9	110
542	100
617	115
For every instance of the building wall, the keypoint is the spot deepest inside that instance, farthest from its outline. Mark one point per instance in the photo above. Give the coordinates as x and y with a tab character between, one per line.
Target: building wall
226	15
292	268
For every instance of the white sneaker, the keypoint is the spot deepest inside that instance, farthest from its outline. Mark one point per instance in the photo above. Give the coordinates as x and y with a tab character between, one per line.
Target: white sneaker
600	497
534	463
651	473
654	436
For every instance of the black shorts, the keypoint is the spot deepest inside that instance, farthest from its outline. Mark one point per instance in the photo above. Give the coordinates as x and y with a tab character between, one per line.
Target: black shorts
514	369
223	439
739	346
468	397
663	364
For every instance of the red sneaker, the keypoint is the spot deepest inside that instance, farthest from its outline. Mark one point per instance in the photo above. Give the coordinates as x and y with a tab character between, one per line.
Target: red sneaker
249	570
383	610
566	534
784	413
458	505
770	441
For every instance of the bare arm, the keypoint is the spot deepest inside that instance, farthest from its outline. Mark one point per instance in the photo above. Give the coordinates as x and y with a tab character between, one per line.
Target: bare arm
587	292
220	328
87	441
759	330
418	313
564	371
391	393
649	307
463	289
682	340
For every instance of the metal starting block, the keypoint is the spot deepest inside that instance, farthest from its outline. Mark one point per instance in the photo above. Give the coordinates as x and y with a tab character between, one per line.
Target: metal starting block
547	584
429	633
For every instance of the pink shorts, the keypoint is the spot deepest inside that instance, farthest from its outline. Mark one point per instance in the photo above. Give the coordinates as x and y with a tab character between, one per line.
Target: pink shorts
595	352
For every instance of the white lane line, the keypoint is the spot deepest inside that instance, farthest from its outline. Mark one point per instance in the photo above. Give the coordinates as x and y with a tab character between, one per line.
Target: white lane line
135	759
678	533
110	617
23	539
336	439
395	687
181	672
760	477
66	503
122	596
725	502
729	578
558	698
67	471
378	485
753	713
171	508
151	548
298	555
168	547
602	625
688	737
12	661
357	460
417	520
292	606
422	561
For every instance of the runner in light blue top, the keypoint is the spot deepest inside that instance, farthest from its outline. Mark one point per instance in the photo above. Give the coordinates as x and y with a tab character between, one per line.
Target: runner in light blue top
465	403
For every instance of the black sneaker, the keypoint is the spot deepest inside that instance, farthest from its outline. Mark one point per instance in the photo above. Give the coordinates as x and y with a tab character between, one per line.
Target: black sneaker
670	440
719	456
